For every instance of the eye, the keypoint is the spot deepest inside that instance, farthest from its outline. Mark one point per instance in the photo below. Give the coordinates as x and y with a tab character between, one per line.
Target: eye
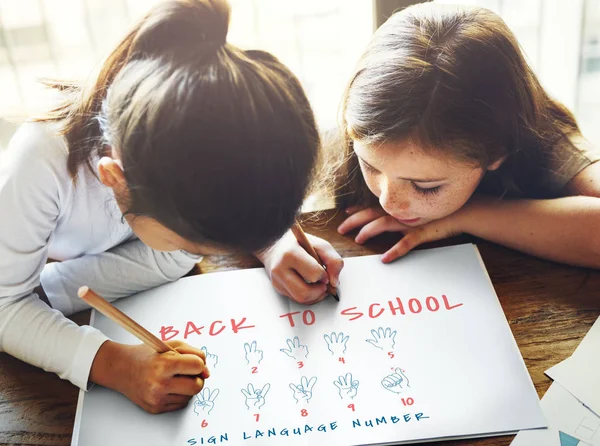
368	167
426	190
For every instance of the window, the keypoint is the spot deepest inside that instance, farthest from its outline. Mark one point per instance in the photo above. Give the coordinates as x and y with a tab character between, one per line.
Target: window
319	40
562	43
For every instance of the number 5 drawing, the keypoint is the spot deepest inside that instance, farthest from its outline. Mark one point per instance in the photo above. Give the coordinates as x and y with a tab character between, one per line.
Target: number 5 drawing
383	338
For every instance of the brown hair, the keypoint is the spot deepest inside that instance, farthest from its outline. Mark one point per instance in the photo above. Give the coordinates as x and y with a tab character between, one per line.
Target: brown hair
218	144
453	80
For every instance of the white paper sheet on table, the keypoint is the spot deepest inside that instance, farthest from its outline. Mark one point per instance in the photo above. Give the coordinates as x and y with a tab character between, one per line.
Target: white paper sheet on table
580	374
423	336
564	414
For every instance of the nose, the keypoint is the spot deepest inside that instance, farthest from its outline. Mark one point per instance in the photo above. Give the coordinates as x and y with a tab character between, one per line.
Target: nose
392	198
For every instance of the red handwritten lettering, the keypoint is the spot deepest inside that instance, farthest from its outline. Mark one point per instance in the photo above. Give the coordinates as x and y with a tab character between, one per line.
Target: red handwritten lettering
237	327
399	307
429	305
191	328
165	332
305	317
212	332
371	307
412	303
290	317
351	312
447	305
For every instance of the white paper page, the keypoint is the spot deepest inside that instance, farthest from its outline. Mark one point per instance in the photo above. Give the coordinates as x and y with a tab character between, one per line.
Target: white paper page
447	367
564	414
580	374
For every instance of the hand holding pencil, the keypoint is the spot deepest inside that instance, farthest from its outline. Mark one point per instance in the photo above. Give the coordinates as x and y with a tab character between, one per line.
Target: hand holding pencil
303	267
157	376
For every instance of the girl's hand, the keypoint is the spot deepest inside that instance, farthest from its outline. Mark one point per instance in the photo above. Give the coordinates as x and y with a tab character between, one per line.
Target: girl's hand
157	382
375	221
295	274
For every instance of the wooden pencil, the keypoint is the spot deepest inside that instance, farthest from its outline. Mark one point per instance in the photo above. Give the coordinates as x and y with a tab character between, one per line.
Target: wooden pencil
305	243
117	316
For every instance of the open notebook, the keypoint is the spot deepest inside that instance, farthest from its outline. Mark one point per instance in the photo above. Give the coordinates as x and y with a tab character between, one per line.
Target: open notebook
417	350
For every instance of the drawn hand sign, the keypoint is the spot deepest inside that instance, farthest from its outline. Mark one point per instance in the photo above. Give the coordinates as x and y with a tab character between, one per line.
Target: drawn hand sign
253	354
347	387
336	343
383	338
303	391
211	360
396	382
255	397
295	349
205	401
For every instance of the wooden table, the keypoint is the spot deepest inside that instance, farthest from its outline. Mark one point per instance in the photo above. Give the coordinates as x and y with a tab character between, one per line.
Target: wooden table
549	307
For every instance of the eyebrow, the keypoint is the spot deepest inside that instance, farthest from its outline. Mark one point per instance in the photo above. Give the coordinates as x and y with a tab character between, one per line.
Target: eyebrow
414	180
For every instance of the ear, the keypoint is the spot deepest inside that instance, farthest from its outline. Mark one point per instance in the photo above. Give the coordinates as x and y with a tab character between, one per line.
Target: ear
496	164
110	172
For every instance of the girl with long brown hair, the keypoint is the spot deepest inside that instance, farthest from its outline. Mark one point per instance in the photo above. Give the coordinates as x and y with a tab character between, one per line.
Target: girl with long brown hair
182	145
449	131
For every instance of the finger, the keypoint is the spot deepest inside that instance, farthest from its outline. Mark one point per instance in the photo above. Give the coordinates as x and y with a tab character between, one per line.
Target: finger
182	347
176	399
300	291
372	342
293	387
253	346
185	385
246	348
359	219
353	209
213	395
309	269
290	344
186	364
378	226
173	407
265	389
408	242
329	256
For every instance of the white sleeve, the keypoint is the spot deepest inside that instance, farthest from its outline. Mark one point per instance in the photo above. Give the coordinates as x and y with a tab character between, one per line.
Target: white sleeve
118	272
30	193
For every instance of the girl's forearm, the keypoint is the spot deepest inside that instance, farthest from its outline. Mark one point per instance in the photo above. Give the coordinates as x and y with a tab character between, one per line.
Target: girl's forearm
565	230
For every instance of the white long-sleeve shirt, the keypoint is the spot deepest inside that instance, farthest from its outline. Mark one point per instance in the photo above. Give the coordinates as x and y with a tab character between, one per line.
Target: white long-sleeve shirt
44	215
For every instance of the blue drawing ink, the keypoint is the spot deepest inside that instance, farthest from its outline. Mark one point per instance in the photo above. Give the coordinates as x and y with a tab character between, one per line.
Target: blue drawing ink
211	360
336	343
255	397
567	440
253	354
396	382
304	390
347	386
295	349
205	401
383	338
